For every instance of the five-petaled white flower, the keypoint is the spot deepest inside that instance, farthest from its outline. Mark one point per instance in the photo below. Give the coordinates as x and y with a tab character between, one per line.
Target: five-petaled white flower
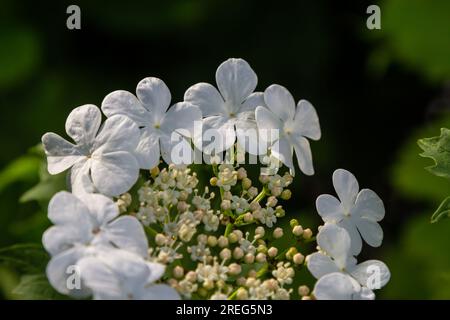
83	226
149	111
121	275
231	109
339	286
335	244
291	125
103	157
357	212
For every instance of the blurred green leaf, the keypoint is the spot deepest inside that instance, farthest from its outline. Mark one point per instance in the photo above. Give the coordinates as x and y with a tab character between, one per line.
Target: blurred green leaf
438	149
416	33
24	258
442	212
24	168
36	287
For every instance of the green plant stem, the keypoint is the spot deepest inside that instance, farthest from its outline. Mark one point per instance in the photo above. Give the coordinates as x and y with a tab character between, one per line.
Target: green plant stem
261	195
228	229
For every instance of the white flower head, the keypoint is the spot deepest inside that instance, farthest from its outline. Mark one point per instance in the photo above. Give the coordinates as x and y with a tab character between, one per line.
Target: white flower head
150	110
335	244
339	286
103	157
231	109
293	125
357	212
83	225
121	275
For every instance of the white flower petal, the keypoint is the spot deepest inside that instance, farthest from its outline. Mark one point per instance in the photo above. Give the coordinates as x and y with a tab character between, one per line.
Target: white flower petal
282	150
307	121
61	154
269	125
57	239
207	98
82	124
182	116
236	80
80	178
65	208
346	187
154	95
356	242
320	265
334	286
57	272
247	134
156	271
101	208
370	231
280	101
127	233
125	103
329	208
114	173
118	133
220	128
147	152
335	241
160	292
370	272
304	156
369	205
256	99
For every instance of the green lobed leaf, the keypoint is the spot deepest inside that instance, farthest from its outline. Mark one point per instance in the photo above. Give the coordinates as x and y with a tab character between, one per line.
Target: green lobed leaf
442	212
438	149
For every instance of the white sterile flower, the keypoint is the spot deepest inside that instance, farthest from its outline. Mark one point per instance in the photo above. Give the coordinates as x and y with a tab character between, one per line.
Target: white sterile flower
339	286
293	125
334	243
101	160
231	109
357	212
119	275
149	111
83	224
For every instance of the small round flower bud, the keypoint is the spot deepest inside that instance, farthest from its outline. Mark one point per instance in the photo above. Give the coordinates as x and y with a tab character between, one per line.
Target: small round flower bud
242	294
227	195
249	258
202	238
272	201
297	231
160	239
286	194
252	192
262	248
191	276
232	237
276	191
255	206
252	274
279	212
222	242
261	257
246	183
182	206
290	253
172	282
306	298
213	181
298	258
248	217
225	254
202	292
303	291
259	231
238	253
178	272
212	241
225	205
307	234
241	173
293	223
239	234
208	284
277	233
184	195
272	252
264	179
241	281
154	172
234	269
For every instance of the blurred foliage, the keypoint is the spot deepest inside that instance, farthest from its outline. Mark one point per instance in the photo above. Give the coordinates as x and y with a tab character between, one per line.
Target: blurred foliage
416	33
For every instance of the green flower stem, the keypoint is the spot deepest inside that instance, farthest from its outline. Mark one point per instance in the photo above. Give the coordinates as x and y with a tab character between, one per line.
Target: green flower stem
228	229
233	295
264	192
261	272
152	231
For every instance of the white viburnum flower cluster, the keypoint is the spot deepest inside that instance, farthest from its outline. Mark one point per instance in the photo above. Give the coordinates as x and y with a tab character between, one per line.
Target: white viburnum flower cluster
130	223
